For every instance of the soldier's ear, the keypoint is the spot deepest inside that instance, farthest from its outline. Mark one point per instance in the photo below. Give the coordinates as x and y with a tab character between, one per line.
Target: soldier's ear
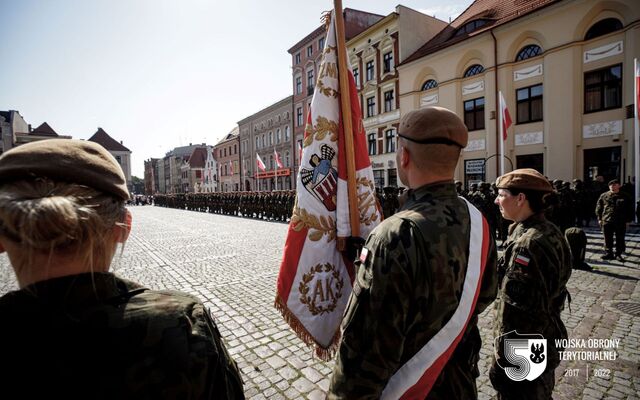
122	232
404	156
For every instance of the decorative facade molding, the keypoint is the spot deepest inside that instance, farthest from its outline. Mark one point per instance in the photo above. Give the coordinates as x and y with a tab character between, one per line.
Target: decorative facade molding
523	139
529	72
605	51
475	145
473	87
609	128
429	100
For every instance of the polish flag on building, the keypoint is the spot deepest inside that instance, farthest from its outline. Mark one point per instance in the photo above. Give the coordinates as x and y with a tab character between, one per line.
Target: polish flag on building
299	151
259	163
506	117
278	161
230	167
315	279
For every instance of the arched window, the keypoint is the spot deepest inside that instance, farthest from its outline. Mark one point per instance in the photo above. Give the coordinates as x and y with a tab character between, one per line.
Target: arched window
286	159
270	138
475	69
257	142
286	133
278	136
529	51
603	27
430	84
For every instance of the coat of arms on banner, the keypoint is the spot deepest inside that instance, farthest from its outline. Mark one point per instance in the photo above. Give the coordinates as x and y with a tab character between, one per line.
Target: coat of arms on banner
322	180
526	354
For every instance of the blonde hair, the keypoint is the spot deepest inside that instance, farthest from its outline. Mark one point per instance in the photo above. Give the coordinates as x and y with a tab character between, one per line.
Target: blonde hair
45	217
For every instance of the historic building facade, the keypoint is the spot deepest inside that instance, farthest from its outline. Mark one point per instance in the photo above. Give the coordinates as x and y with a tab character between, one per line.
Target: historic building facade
227	154
264	133
374	55
565	69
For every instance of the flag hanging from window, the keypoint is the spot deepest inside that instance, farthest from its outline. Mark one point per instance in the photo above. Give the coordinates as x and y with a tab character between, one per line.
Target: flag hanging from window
506	117
315	279
259	163
278	161
299	151
230	167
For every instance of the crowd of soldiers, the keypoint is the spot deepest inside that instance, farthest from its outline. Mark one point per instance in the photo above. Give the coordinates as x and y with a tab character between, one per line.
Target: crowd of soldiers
573	203
276	205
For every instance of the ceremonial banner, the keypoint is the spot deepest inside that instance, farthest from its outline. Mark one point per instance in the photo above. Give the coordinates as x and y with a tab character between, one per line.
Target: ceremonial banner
278	161
259	163
315	279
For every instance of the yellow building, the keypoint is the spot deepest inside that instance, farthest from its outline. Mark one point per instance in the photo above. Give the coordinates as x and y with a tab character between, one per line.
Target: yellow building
565	69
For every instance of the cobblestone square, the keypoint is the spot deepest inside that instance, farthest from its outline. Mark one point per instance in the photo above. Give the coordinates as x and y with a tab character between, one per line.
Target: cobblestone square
232	264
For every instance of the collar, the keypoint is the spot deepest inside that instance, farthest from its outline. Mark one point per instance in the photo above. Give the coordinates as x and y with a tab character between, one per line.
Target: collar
431	191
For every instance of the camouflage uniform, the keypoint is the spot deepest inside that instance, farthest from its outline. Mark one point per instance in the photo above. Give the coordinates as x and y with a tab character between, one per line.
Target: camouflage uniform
531	299
101	337
406	289
614	210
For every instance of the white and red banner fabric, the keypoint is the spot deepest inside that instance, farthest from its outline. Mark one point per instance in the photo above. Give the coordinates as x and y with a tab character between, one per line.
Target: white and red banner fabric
277	157
259	163
315	279
506	117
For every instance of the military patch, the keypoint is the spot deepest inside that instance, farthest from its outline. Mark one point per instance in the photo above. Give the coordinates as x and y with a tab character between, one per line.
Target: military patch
363	254
522	260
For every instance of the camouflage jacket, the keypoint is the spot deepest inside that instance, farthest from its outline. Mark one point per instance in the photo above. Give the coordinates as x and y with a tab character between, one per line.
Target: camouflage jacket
407	287
533	272
96	336
614	208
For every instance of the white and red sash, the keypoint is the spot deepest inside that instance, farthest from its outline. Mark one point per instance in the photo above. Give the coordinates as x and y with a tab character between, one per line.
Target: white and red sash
416	377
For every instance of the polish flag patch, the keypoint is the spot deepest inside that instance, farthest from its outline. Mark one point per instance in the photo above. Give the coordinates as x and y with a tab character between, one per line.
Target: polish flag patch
363	254
522	260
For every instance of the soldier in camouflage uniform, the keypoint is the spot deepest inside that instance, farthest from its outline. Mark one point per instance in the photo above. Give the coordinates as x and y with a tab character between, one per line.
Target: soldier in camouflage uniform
411	272
614	212
533	273
74	330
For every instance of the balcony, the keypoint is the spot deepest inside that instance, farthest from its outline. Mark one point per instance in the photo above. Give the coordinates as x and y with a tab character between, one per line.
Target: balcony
381	118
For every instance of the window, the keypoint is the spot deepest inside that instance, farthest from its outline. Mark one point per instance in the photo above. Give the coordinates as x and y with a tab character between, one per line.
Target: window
369	70
271	162
270	138
278	136
470	26
225	152
356	76
371	105
286	158
473	70
529	105
298	84
297	58
310	51
262	141
257	143
299	116
286	133
474	114
390	141
372	144
603	89
387	61
119	159
388	101
310	82
321	44
430	84
603	27
529	51
235	149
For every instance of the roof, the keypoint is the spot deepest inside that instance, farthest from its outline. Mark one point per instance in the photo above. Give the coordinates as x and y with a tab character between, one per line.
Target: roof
234	134
198	158
102	138
355	21
494	12
6	115
44	130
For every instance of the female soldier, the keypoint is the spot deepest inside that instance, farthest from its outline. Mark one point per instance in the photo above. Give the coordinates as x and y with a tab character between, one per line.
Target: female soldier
74	330
533	274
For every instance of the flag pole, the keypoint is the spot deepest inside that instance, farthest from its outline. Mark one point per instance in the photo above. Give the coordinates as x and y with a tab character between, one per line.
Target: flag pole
636	138
345	103
501	131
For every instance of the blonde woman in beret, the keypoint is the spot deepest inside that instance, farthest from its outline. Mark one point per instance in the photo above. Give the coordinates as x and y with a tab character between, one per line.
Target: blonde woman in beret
74	329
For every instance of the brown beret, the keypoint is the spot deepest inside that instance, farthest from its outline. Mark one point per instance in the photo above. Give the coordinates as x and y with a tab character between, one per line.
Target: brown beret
524	179
434	125
75	161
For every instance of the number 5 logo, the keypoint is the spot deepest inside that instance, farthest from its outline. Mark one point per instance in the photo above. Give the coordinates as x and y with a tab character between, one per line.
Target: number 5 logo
526	354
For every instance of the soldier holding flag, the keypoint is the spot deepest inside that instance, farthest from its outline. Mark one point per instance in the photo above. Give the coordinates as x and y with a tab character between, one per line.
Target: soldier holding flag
410	328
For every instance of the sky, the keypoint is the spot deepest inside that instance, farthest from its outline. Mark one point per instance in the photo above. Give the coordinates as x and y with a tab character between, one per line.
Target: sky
156	74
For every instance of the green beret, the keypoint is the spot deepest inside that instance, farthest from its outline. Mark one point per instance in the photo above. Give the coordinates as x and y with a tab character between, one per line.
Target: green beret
434	125
74	161
524	179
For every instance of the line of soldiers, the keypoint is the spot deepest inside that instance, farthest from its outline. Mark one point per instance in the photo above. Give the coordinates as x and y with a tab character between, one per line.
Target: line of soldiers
271	206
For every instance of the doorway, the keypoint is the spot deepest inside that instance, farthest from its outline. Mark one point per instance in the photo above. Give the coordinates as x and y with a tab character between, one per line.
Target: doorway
605	161
535	161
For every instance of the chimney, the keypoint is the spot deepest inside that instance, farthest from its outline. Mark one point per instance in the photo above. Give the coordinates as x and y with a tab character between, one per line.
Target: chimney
121	142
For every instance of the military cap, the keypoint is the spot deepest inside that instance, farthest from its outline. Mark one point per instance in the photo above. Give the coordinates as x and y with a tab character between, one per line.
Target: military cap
74	161
613	182
434	125
524	179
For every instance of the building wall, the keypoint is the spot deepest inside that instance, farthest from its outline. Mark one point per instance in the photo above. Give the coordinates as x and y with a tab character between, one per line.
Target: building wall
559	30
228	182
